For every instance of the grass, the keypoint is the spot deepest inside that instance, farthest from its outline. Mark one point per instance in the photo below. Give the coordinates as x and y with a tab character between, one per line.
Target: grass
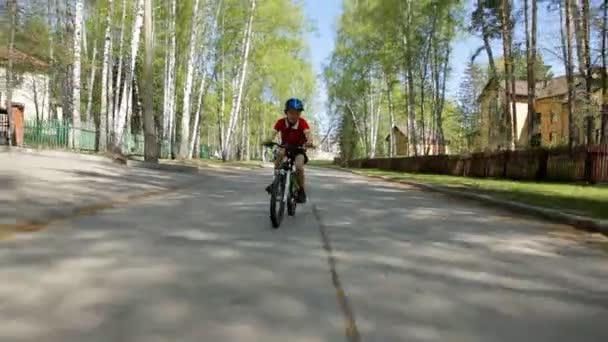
591	201
218	163
321	163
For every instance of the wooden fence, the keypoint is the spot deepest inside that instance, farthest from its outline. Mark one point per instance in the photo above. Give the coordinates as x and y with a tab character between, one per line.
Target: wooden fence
579	164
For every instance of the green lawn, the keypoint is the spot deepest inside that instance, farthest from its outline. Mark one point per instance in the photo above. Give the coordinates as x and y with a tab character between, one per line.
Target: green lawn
324	163
583	200
218	163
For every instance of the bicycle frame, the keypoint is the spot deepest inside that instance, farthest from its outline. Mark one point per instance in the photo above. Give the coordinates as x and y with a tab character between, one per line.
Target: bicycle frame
283	181
286	169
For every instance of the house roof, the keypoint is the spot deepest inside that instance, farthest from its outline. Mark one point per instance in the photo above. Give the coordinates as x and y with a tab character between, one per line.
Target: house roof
556	86
22	59
403	130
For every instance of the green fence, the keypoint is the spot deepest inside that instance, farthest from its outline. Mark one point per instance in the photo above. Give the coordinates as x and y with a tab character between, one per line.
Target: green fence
56	134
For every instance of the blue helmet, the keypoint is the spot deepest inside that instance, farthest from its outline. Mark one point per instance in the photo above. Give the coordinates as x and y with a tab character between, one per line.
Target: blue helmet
294	103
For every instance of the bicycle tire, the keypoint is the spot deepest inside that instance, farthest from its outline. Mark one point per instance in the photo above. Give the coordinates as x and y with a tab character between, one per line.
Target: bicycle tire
278	189
291	200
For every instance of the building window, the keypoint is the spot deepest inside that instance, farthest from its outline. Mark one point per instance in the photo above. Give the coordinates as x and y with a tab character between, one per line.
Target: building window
553	117
553	137
537	118
536	140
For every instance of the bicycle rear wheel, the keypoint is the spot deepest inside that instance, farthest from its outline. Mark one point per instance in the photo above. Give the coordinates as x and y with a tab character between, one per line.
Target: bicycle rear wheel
278	190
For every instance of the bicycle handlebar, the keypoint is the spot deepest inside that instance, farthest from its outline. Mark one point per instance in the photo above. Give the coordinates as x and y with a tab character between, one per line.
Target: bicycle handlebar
273	144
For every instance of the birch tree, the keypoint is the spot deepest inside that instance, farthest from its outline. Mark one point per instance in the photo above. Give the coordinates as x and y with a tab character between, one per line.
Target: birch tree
567	44
185	124
106	72
9	72
241	74
150	142
117	96
76	73
91	83
531	54
169	92
510	114
604	129
122	116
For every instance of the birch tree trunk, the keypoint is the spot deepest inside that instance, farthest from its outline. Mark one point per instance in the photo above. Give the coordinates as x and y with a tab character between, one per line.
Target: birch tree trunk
391	114
76	74
49	79
357	126
185	124
197	116
248	134
171	96
410	90
9	73
509	87
204	85
531	52
169	77
106	71
372	148
126	97
585	26
567	50
150	145
91	84
604	130
121	58
242	73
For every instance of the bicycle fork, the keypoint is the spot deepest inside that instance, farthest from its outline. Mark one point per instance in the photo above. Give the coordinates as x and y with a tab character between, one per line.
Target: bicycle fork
287	191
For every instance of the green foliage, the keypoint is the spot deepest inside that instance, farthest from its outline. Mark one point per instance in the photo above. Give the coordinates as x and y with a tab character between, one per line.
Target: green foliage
378	44
542	71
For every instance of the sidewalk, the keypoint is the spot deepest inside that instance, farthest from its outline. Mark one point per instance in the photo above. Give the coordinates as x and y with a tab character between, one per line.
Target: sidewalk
38	188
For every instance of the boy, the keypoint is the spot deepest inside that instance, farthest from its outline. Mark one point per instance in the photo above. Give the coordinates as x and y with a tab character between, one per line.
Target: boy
295	132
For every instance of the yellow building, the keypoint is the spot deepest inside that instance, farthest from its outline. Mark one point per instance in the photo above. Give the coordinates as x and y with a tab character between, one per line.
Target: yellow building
431	146
550	123
492	130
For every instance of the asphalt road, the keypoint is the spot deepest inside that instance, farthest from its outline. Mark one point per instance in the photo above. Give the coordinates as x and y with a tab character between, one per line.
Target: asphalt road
364	260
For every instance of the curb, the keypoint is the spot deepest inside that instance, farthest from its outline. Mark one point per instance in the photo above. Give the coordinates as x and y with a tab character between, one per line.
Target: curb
61	154
102	159
162	167
580	222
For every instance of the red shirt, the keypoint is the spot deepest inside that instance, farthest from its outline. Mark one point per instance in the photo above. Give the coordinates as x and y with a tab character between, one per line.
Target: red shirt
292	135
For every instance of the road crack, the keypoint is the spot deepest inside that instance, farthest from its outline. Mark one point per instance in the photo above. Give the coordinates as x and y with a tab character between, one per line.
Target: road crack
351	330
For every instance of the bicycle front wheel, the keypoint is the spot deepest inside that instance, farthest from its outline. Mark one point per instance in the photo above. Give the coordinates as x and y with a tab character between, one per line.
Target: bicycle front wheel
277	211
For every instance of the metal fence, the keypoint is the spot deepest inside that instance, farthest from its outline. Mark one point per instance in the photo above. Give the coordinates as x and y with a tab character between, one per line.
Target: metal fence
58	134
4	129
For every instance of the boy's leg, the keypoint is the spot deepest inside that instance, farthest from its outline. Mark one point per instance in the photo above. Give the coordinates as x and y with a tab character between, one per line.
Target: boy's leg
280	156
277	163
299	163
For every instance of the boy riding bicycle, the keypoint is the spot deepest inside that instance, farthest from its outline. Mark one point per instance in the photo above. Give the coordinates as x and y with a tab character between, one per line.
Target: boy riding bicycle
295	133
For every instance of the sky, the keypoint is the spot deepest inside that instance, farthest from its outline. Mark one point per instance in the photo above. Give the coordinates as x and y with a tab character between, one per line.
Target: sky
324	15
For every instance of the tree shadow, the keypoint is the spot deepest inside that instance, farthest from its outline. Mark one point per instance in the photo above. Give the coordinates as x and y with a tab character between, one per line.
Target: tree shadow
204	262
431	268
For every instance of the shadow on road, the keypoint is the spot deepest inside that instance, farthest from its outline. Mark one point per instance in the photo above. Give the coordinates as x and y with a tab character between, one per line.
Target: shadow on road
204	263
424	267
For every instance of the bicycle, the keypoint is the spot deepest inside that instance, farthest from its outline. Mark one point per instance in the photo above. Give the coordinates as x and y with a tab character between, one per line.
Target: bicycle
282	181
